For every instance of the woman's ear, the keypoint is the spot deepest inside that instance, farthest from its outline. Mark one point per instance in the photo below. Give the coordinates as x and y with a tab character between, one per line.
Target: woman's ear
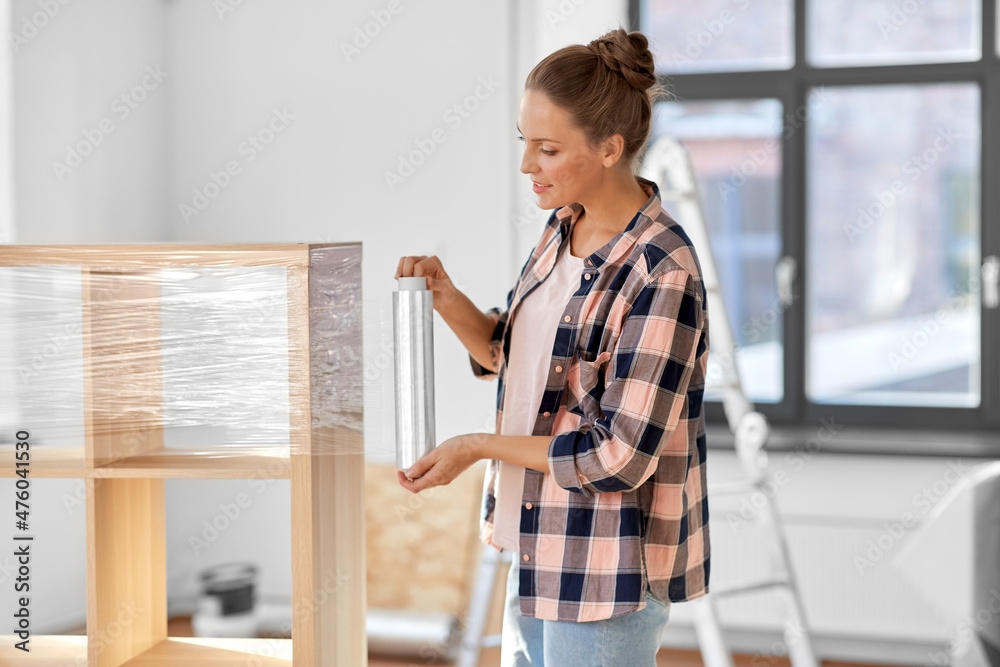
613	148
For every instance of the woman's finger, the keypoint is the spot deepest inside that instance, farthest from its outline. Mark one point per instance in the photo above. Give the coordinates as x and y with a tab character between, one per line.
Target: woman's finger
422	465
415	485
406	264
419	262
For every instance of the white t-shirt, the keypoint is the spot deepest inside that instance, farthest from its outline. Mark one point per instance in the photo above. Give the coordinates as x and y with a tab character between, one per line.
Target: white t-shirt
532	336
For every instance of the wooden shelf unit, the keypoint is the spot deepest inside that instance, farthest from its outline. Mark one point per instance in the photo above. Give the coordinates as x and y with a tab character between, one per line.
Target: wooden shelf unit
66	651
124	461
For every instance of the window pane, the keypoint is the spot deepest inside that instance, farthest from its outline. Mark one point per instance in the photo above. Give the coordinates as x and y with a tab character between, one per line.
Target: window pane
845	33
893	245
735	150
719	35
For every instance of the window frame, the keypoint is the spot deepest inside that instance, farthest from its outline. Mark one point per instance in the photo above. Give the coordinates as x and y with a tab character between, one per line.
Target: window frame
791	87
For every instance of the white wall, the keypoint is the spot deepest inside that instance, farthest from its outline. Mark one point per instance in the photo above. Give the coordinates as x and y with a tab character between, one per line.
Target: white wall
323	176
70	75
6	130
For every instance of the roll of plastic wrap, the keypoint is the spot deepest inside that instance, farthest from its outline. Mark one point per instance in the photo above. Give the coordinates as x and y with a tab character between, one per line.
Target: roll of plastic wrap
408	633
413	342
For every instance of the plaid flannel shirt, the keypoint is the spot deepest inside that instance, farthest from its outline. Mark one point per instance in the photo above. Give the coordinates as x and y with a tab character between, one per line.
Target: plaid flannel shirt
625	506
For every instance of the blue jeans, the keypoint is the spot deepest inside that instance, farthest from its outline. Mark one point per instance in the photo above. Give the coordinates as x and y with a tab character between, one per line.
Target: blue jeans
629	640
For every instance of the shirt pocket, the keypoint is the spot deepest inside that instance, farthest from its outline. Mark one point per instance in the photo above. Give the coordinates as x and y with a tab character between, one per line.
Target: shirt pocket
599	328
592	382
595	344
594	340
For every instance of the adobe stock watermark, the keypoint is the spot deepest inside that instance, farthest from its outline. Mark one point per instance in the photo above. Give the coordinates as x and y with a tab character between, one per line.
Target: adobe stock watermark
33	24
530	218
755	159
752	505
562	12
893	531
758	325
230	512
779	648
47	351
364	34
712	29
455	115
899	15
223	8
248	149
121	108
914	169
135	440
109	635
966	631
753	330
911	344
333	581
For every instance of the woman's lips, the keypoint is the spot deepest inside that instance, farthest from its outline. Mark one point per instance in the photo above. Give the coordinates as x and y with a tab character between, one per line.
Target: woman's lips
539	188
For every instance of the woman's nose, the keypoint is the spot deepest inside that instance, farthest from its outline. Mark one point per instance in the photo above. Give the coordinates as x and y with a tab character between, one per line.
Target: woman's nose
526	166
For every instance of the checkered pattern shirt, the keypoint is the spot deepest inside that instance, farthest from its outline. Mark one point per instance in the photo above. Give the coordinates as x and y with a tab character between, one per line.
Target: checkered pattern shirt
625	506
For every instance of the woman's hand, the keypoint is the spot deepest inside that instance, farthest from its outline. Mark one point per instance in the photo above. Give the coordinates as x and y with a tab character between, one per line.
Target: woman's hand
443	464
437	279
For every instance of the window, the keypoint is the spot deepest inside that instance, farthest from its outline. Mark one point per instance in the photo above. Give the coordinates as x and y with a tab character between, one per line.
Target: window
720	35
892	32
881	191
739	176
893	246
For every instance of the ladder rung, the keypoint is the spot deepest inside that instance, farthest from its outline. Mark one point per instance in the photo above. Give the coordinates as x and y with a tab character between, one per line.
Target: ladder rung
724	385
750	586
731	488
491	641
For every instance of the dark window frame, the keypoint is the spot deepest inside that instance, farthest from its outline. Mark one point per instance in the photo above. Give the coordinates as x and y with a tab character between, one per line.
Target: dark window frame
791	87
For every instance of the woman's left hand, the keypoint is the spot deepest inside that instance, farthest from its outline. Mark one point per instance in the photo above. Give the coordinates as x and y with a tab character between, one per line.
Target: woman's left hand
441	465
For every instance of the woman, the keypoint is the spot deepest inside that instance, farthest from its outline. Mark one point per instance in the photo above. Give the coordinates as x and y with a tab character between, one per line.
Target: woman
596	477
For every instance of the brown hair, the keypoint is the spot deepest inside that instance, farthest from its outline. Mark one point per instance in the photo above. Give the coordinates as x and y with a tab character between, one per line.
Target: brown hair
608	87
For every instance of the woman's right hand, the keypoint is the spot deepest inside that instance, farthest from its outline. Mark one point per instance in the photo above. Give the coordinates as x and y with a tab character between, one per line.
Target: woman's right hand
437	279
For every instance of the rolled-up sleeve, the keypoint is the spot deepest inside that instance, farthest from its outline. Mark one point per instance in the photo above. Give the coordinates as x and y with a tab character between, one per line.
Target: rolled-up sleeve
496	342
649	372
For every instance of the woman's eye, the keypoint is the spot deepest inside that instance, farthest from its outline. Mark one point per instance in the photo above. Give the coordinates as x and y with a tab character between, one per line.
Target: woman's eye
520	138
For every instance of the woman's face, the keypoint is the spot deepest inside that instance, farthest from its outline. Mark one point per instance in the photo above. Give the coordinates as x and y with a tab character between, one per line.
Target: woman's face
562	166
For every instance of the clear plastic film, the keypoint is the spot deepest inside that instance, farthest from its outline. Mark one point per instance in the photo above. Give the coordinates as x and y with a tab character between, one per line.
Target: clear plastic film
124	355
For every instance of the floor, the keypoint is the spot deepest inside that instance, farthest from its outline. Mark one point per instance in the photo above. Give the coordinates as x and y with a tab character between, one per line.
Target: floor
665	658
181	627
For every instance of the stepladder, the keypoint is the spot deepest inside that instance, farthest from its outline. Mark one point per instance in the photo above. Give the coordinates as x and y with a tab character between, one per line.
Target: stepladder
481	602
667	162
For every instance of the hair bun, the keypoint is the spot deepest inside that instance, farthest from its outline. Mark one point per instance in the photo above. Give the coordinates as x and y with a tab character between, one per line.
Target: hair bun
629	55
